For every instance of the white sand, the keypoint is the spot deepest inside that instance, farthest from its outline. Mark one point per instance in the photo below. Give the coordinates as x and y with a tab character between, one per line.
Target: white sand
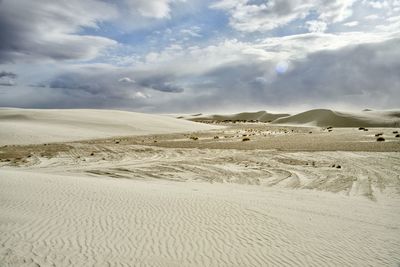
33	126
78	221
326	117
108	204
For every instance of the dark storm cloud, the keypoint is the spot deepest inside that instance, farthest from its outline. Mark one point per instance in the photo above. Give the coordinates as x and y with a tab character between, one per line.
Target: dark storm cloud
107	82
368	72
362	75
166	87
7	78
97	83
6	83
162	84
31	30
8	74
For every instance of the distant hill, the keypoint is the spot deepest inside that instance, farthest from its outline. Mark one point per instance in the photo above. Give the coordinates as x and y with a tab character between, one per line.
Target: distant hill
315	117
326	117
261	116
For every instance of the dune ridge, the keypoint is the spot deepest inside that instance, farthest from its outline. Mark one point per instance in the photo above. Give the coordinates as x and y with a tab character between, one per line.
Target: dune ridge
34	126
262	116
314	117
327	117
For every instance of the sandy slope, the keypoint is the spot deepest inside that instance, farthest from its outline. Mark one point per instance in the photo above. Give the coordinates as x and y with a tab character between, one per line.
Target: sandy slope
32	126
262	116
169	200
325	117
79	221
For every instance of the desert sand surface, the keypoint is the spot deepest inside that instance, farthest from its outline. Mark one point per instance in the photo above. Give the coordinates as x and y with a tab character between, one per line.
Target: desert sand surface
245	194
35	126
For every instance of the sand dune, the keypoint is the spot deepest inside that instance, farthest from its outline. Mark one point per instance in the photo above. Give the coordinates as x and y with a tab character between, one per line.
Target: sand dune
315	117
326	117
289	196
32	126
262	116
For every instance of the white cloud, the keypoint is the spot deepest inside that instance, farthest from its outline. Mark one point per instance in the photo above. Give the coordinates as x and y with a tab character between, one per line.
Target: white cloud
351	24
392	25
126	80
250	17
390	6
193	31
372	17
140	95
316	26
376	4
154	8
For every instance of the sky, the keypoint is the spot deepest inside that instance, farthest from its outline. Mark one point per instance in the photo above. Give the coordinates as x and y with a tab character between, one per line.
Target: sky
182	56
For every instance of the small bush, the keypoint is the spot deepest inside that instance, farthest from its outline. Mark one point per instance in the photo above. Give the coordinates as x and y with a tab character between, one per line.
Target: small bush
246	139
396	132
361	128
194	138
397	135
380	139
378	134
216	137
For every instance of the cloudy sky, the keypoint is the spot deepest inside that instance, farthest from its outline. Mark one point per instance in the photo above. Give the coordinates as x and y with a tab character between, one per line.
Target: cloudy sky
200	55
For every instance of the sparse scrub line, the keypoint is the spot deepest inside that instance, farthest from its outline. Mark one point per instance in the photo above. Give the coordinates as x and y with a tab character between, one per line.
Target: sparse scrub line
381	138
329	128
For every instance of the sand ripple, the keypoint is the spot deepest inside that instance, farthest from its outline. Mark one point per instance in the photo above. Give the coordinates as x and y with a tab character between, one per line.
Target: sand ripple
52	220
